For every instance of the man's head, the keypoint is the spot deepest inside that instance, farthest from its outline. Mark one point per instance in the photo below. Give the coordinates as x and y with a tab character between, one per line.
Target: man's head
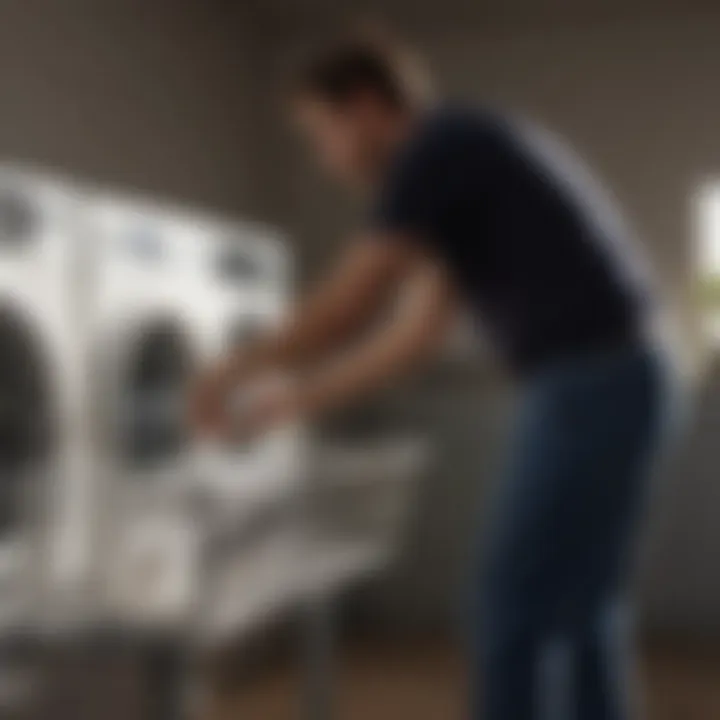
355	104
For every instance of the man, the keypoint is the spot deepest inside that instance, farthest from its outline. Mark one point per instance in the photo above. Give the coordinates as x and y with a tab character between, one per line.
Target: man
470	205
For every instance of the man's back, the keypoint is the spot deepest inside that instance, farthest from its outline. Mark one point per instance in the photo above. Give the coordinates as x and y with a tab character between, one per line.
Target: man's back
538	250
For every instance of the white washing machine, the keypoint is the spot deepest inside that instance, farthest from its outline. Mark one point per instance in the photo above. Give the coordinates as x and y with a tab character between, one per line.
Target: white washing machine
43	445
174	290
148	343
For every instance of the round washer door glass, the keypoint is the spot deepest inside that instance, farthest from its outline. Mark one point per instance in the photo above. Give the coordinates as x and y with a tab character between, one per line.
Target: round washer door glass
25	413
160	366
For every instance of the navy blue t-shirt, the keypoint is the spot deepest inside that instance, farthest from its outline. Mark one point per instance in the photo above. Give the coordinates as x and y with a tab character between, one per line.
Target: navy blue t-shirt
534	245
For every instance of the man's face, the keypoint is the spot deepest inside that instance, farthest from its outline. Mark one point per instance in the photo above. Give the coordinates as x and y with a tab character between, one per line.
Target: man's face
351	140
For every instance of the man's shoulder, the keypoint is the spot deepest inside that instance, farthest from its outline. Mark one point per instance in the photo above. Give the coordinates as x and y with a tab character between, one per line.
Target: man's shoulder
451	125
462	116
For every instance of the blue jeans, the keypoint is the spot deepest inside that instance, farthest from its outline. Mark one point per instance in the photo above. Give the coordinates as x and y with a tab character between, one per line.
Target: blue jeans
549	637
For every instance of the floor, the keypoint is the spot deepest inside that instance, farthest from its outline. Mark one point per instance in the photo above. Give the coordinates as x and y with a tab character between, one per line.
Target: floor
424	681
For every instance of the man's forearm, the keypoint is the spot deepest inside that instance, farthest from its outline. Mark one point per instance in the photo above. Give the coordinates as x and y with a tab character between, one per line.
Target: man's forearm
386	355
291	345
344	302
331	317
311	333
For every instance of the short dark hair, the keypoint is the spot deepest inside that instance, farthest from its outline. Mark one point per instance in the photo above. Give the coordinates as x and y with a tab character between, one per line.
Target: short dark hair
340	72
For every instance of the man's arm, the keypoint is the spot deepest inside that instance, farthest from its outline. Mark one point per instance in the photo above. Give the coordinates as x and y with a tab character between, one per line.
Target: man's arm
408	337
351	295
347	299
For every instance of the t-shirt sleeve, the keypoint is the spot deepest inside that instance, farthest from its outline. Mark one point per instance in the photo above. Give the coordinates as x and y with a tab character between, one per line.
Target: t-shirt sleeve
423	187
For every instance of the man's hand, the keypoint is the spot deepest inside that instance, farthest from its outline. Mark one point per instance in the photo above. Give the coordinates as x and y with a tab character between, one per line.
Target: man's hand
222	411
209	403
265	408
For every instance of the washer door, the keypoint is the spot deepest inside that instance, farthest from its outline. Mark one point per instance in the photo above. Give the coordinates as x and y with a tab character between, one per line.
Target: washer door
20	216
154	428
25	414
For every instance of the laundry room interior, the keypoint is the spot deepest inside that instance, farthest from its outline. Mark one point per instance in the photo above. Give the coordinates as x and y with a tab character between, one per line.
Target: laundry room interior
156	212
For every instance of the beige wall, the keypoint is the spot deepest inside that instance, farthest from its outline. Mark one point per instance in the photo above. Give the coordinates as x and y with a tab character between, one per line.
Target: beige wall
149	94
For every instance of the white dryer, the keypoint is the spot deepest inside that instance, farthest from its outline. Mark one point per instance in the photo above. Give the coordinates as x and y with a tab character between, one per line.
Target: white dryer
43	446
148	343
174	290
146	333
